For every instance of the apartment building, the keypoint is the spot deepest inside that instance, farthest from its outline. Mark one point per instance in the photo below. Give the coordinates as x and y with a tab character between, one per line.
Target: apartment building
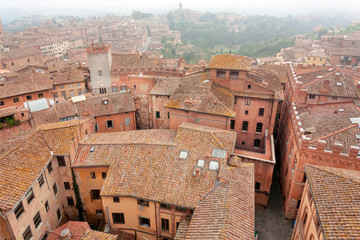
68	84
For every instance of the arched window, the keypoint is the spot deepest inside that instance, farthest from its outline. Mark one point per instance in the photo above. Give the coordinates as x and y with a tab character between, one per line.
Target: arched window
245	125
259	127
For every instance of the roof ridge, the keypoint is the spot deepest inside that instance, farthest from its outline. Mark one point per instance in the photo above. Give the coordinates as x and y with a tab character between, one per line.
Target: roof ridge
316	80
159	144
334	133
346	73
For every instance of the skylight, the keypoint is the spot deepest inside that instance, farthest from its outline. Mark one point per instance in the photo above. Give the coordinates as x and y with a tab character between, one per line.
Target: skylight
183	154
92	149
201	163
219	153
214	165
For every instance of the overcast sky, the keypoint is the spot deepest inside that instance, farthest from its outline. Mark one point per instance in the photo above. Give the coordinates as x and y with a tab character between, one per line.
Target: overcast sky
264	7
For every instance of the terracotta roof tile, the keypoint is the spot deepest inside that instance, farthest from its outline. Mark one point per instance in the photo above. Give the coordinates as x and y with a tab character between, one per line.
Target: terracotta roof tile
336	196
165	86
199	94
96	235
230	61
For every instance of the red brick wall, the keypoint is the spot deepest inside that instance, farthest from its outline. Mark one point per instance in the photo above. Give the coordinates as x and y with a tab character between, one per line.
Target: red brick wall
22	98
118	122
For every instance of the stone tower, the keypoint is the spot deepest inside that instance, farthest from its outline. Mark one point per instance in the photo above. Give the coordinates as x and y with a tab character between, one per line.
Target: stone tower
180	6
100	60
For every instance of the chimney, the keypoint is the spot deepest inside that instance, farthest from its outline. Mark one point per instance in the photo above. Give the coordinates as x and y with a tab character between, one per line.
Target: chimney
65	234
197	173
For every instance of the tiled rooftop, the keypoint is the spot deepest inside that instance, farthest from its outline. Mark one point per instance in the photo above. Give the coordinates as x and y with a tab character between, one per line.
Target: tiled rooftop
145	164
165	86
331	122
199	94
230	62
67	77
336	196
227	212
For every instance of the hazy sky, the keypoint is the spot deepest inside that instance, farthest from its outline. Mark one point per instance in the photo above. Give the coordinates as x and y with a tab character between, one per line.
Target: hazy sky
263	7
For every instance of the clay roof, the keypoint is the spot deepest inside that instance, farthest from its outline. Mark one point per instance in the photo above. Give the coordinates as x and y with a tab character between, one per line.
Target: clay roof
165	86
230	61
266	79
54	113
331	82
9	111
331	123
226	212
281	70
19	53
150	167
67	77
117	103
21	166
80	231
336	196
28	82
355	52
198	94
132	61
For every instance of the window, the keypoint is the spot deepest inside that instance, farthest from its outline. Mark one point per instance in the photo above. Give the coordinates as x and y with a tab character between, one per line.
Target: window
29	196
220	73
72	93
123	88
92	174
214	165
67	185
109	124
2	103
96	127
247	101
257	143
28	60
40	95
232	124
102	90
218	153
49	167
144	222
261	112
95	194
246	112
118	218
61	161
298	204
47	207
257	186
29	97
127	121
245	126
177	225
103	175
305	217
234	74
116	199
168	115
15	100
100	73
58	213
143	202
181	209
79	92
55	189
99	212
242	143
78	84
62	86
134	87
311	96
249	86
55	95
157	114
19	210
27	235
70	85
259	127
37	220
165	224
63	94
41	180
183	154
165	206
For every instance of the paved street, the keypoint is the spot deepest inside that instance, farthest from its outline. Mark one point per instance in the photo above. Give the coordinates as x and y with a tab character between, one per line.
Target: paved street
270	222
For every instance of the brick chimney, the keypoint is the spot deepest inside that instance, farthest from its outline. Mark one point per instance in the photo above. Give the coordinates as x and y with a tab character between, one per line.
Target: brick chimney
197	173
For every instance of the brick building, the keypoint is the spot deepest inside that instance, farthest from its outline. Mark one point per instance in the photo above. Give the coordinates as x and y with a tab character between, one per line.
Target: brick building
231	96
68	84
330	206
147	182
345	57
20	57
36	181
316	127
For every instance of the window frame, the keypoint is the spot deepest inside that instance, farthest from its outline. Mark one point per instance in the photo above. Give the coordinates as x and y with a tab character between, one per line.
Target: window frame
165	224
41	180
259	127
19	210
107	124
142	202
141	223
120	216
37	220
55	189
96	193
67	186
103	175
30	197
27	234
245	126
261	111
61	161
257	143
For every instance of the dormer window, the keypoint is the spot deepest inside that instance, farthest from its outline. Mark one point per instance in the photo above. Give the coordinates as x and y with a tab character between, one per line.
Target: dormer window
183	154
218	153
214	165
